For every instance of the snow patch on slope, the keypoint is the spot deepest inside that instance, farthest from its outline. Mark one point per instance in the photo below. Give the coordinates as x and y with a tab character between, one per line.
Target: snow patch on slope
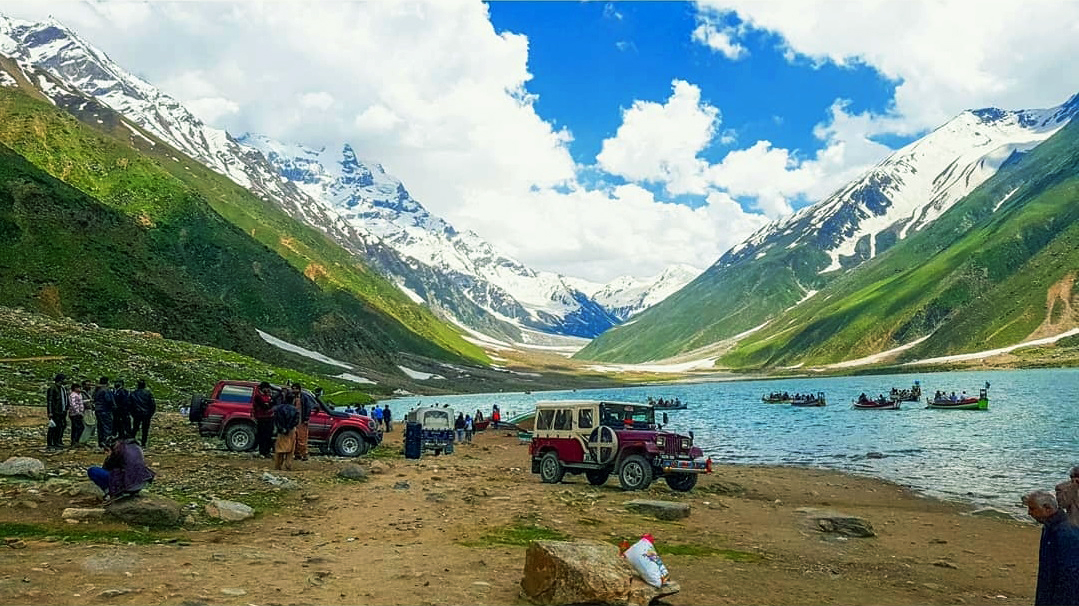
303	351
994	352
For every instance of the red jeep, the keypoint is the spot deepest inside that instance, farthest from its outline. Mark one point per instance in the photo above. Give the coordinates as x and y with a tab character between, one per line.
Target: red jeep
227	414
601	438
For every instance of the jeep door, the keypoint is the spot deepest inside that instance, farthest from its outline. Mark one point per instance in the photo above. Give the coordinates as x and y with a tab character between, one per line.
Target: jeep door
556	427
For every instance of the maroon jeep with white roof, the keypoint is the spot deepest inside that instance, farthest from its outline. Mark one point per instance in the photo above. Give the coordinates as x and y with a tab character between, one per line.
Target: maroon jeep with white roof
600	438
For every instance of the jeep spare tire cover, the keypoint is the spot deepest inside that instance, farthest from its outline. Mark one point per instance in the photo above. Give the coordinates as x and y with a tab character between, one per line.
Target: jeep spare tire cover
194	414
604	444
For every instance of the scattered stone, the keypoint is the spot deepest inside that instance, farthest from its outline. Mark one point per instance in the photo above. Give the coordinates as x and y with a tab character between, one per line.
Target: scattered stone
994	513
945	564
86	489
402	485
937	542
874	455
153	511
585	572
234	591
16	544
26	504
481	584
436	497
188	521
352	471
279	481
377	467
230	511
75	513
112	593
828	521
729	489
661	510
26	467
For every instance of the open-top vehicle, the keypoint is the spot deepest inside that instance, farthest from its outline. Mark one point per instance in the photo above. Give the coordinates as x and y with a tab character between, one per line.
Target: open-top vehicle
434	425
227	414
600	438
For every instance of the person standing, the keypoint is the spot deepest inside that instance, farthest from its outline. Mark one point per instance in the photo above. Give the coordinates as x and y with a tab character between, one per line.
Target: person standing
285	419
305	405
121	410
459	426
262	411
496	417
124	472
468	428
1068	496
1058	555
387	418
76	411
143	407
56	403
103	407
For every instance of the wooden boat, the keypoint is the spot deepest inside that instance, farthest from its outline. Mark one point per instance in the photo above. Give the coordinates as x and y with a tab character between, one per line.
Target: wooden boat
979	403
671	405
914	394
480	425
775	400
811	400
877	405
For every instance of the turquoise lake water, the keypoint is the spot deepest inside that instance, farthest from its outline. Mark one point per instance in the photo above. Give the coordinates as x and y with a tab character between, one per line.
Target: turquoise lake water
1028	439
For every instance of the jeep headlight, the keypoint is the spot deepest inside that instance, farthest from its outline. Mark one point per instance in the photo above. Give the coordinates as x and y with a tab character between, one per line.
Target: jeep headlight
661	441
686	443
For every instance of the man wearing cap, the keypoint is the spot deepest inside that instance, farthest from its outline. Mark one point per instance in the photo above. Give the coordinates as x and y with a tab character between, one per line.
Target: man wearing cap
57	401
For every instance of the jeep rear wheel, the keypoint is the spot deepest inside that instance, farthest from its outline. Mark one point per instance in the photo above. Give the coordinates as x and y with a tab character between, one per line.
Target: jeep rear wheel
551	469
682	482
348	443
597	477
240	437
635	473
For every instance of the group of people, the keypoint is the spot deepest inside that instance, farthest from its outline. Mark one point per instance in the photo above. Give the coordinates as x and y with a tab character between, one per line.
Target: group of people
465	427
115	411
1058	556
383	417
940	395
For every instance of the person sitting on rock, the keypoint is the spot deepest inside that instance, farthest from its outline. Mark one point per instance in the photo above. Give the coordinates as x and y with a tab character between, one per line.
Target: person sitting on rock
124	472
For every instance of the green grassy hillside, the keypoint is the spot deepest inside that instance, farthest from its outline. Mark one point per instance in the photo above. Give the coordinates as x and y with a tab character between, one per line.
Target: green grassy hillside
167	245
978	278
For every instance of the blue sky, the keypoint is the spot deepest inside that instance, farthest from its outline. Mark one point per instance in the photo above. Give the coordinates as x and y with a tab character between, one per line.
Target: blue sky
586	138
591	59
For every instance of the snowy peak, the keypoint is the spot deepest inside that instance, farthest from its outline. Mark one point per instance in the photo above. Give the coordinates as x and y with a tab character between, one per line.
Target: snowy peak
910	188
627	296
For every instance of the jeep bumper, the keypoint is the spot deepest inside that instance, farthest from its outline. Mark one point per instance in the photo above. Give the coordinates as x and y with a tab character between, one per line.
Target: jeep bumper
673	465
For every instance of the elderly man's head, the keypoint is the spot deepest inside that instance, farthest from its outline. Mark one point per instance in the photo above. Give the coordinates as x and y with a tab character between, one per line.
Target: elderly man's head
1074	474
1041	505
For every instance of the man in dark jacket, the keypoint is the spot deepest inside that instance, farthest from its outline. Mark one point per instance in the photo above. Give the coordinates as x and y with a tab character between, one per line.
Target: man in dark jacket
143	407
103	406
262	411
285	420
57	400
1058	557
124	472
121	410
306	406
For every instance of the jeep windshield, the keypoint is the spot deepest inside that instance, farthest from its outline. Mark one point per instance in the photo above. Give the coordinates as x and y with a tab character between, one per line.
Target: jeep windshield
625	416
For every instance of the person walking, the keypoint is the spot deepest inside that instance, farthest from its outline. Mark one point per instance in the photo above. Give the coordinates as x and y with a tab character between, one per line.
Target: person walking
124	472
1058	554
143	408
286	418
305	405
459	426
1068	496
121	410
57	401
103	407
262	411
75	412
387	418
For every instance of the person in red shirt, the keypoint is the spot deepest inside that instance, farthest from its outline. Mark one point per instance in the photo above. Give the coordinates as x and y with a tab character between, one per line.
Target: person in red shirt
262	411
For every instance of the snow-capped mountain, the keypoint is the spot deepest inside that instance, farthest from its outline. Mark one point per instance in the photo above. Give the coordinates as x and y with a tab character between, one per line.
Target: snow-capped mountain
627	296
910	188
357	204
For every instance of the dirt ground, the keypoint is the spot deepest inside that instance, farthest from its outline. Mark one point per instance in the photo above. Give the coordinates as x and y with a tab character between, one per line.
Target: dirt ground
442	530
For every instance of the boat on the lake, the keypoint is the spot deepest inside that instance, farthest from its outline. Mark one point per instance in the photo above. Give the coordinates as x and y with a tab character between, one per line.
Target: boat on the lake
865	403
808	399
961	402
914	394
777	398
667	404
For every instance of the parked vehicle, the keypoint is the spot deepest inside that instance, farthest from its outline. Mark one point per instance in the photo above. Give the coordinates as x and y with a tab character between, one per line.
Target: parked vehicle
436	428
226	414
600	438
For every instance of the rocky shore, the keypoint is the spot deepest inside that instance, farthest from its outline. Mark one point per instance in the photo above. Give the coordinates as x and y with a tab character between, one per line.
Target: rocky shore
455	529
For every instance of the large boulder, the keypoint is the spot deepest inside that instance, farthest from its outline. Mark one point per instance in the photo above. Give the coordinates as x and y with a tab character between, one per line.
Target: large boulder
26	467
834	522
77	513
86	490
153	511
230	511
661	510
585	572
352	471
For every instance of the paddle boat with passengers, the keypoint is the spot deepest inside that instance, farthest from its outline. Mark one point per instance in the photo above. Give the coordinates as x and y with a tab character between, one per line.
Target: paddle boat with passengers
866	403
941	401
816	399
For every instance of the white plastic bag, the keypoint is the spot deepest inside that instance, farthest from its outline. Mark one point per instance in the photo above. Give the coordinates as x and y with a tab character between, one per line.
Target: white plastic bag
644	559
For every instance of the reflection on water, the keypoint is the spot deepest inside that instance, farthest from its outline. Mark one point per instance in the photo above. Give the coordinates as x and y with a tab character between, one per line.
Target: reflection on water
1025	441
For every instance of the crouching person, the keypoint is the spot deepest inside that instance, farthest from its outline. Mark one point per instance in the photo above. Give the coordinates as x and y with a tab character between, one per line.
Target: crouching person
124	472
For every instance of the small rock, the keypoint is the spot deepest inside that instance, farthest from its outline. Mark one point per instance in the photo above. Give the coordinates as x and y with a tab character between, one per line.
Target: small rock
945	564
402	485
230	511
352	471
279	481
234	591
835	522
75	513
481	584
86	490
16	544
27	467
153	511
377	467
661	510
585	572
436	497
112	593
26	504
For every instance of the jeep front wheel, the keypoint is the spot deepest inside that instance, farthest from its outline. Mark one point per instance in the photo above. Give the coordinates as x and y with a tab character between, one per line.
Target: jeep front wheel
348	443
635	474
240	437
681	482
597	477
551	469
